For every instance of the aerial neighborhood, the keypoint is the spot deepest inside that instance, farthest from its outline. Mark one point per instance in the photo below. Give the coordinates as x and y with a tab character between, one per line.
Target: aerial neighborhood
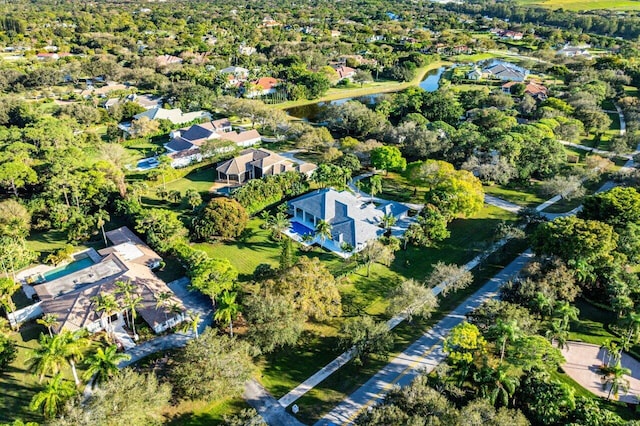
293	213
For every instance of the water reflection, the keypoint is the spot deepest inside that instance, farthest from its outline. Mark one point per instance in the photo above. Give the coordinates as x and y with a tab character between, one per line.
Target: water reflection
311	112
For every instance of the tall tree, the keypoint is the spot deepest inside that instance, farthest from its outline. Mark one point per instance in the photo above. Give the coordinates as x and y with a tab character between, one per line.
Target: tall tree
53	397
228	309
366	336
103	364
212	367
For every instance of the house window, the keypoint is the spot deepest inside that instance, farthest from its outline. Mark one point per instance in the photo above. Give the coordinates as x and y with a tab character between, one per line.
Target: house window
113	318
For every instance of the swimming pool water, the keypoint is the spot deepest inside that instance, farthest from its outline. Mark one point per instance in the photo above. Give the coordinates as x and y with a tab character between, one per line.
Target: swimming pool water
72	267
300	229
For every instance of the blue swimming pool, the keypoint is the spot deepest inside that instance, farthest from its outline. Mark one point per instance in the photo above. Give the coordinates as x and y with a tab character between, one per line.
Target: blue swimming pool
72	267
300	229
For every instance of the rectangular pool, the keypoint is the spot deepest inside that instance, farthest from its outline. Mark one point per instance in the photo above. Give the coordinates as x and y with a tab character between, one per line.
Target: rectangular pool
300	229
72	267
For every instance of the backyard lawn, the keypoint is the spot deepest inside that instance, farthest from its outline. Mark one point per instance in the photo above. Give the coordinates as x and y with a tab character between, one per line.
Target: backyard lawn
18	385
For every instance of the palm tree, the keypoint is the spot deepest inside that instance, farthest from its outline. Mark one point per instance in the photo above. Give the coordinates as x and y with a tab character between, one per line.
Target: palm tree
614	377
48	320
192	323
125	288
163	301
131	303
376	186
611	351
8	288
632	321
104	363
567	313
48	357
228	309
107	305
102	217
323	231
506	331
73	346
557	333
388	220
277	224
53	397
505	387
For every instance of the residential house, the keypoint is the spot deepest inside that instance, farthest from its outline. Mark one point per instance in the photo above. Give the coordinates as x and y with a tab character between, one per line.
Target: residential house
505	71
475	74
246	50
71	297
532	88
175	116
335	33
344	72
166	60
263	86
256	163
145	101
186	145
573	51
354	221
269	22
235	75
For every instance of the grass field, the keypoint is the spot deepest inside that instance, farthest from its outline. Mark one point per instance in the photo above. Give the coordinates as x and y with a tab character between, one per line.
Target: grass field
361	294
367	89
576	5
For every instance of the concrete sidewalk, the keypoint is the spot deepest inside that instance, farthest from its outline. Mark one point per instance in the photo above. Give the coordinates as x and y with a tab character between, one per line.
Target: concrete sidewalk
423	355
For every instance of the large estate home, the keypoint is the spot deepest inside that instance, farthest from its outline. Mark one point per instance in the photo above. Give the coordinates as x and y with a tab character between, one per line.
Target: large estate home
505	71
256	163
72	297
186	144
354	221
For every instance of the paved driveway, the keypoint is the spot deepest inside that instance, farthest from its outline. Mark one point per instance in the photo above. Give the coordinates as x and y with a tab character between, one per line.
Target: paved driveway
193	301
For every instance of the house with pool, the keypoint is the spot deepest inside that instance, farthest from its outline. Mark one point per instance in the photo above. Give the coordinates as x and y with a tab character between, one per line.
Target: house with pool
354	220
69	292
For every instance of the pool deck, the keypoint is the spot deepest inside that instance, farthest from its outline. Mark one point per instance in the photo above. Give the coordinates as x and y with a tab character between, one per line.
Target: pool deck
42	269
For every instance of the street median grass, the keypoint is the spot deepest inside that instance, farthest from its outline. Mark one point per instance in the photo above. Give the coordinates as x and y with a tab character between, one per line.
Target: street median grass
386	86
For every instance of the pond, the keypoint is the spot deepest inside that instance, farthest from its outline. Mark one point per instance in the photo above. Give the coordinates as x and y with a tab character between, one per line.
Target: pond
311	112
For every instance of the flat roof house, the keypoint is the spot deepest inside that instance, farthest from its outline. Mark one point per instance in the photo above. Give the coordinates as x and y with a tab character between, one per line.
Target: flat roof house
70	297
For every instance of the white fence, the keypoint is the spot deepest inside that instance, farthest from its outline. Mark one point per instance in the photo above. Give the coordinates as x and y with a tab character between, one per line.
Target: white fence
25	314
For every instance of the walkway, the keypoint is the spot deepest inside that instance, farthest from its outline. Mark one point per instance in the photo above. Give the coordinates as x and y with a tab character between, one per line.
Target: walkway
594	150
345	357
267	407
582	365
423	355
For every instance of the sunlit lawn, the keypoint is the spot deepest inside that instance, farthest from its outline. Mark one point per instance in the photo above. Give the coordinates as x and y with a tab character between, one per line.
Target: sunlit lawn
281	372
17	384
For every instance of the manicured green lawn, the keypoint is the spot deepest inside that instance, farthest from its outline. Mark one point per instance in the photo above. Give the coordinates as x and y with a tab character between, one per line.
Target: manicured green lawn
336	387
522	196
201	413
283	371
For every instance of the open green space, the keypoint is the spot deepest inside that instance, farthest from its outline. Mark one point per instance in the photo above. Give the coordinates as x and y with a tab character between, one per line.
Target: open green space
367	89
576	5
339	385
281	372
